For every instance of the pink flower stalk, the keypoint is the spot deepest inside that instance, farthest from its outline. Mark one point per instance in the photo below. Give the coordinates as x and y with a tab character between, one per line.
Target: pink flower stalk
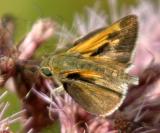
148	47
41	31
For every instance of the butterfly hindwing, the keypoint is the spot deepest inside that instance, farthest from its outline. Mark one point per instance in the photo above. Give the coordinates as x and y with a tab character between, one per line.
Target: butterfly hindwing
96	99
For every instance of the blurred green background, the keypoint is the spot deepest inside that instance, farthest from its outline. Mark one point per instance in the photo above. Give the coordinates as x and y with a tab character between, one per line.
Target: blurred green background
27	12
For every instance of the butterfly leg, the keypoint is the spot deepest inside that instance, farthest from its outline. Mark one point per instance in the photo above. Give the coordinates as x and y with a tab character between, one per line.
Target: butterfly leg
58	90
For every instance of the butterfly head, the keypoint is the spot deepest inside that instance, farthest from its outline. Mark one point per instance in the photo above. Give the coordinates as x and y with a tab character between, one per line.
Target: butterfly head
46	71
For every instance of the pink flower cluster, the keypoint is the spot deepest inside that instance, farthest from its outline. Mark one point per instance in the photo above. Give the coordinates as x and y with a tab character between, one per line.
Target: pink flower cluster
141	108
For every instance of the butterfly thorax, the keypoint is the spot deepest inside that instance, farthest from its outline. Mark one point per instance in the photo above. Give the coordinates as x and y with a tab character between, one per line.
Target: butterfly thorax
62	64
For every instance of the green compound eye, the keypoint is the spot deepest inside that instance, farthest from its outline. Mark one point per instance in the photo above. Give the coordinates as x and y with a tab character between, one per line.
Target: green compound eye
46	71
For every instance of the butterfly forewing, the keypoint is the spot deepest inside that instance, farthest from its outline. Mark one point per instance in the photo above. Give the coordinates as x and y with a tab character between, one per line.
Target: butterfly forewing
116	41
